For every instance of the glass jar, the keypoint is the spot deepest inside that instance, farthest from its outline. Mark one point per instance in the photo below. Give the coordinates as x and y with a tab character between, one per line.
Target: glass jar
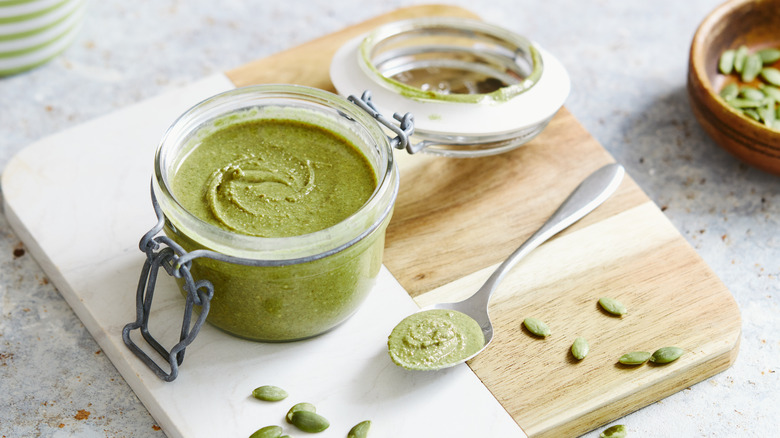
281	288
474	88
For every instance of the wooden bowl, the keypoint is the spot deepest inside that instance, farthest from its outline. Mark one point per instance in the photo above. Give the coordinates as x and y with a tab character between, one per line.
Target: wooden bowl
754	23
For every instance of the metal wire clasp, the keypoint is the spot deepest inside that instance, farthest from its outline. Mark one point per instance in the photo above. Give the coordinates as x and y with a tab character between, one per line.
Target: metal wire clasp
162	252
402	132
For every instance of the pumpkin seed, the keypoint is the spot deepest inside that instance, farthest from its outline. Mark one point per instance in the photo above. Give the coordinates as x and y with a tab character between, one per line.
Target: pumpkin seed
308	421
730	91
616	431
726	62
771	91
771	75
744	103
360	430
739	58
580	348
666	354
751	93
285	436
300	407
767	113
634	358
752	67
612	305
269	393
752	113
537	327
769	56
267	432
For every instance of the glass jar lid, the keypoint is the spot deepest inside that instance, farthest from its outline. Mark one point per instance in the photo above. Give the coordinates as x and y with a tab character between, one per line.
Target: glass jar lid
474	88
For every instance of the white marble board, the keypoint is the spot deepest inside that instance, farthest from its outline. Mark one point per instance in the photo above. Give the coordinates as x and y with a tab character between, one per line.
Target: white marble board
79	200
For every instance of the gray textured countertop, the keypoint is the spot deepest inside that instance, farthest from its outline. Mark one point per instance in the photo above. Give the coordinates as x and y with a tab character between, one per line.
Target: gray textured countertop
628	64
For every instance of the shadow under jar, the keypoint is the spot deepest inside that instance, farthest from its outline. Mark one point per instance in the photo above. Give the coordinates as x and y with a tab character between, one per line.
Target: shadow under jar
293	281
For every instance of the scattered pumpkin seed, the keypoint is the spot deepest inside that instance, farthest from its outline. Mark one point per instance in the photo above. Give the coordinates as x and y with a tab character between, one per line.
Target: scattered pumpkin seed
769	56
771	75
739	58
537	327
616	431
752	67
635	358
726	62
580	348
730	91
308	421
360	430
666	354
300	407
267	432
612	305
269	393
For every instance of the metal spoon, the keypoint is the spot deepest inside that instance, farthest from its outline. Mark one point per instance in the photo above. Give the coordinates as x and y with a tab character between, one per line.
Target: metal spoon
591	193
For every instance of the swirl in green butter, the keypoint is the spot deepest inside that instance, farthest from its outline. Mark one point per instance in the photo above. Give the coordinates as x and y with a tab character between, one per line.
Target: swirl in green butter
274	178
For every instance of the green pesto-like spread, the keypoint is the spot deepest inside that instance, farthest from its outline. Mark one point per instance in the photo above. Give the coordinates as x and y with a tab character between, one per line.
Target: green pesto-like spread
279	178
434	339
274	178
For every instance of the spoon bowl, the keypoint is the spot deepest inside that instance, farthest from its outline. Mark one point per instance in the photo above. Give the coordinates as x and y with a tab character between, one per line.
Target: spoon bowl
588	195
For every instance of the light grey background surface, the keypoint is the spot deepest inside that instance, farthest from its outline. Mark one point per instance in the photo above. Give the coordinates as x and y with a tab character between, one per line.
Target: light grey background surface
628	63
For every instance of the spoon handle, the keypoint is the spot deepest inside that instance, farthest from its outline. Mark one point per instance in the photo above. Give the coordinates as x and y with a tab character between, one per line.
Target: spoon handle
591	193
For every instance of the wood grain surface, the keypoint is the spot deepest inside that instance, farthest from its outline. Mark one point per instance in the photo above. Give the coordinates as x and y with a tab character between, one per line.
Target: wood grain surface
456	219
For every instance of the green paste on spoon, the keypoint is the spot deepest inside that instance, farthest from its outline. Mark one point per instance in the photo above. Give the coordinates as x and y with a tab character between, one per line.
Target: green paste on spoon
434	339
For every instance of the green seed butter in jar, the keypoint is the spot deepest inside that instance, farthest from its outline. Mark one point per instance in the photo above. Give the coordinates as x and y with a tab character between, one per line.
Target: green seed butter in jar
297	181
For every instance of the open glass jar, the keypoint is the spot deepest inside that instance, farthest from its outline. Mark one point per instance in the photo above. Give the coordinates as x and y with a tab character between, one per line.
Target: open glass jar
269	288
475	88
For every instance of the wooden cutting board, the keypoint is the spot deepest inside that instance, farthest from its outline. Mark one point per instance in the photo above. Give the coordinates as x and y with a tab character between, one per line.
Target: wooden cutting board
456	219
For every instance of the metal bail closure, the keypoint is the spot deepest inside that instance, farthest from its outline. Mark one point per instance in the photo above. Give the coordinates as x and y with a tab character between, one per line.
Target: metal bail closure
402	132
199	293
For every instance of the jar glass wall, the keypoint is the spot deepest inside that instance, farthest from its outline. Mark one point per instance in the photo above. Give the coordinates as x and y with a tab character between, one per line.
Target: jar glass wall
282	288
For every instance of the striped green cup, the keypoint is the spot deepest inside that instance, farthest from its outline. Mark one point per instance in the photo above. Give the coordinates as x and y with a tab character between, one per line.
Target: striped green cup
32	32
